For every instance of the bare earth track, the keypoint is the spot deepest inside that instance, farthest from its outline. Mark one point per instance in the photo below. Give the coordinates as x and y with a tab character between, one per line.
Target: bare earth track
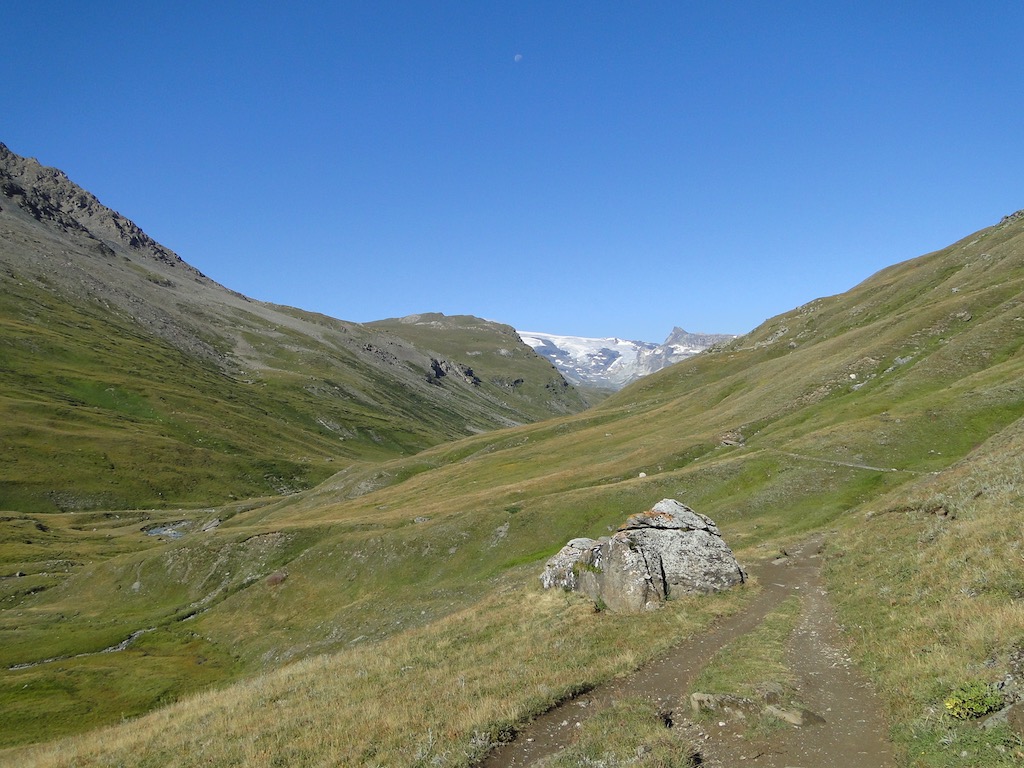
853	732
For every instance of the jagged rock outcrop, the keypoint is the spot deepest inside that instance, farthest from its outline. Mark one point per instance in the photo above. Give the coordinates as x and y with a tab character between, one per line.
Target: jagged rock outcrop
667	550
441	368
48	195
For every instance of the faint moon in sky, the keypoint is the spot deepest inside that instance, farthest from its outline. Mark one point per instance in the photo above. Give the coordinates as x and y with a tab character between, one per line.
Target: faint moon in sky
517	58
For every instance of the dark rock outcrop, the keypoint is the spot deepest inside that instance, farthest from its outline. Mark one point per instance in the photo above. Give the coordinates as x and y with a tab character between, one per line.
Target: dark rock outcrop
667	550
441	368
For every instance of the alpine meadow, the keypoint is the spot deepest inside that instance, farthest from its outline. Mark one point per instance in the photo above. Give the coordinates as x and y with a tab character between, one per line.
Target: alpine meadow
236	533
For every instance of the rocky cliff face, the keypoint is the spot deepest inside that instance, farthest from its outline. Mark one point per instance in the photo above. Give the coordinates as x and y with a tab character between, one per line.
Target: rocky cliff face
49	196
667	550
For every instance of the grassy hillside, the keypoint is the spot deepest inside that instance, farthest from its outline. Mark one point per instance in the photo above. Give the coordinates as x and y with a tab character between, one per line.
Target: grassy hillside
129	379
930	579
900	397
100	414
493	353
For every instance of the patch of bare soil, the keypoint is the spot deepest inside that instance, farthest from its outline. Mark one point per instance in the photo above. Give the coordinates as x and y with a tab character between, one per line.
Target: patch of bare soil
853	731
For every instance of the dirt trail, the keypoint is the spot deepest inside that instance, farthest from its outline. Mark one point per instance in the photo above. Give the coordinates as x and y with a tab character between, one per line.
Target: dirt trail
853	732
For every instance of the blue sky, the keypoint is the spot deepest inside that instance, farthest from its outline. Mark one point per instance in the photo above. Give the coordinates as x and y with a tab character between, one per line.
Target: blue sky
596	169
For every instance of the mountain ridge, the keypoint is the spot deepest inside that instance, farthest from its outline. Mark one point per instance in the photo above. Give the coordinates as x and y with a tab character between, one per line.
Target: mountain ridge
97	318
611	363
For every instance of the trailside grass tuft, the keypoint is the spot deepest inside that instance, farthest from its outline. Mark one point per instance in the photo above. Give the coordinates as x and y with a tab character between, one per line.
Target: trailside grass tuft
630	732
746	665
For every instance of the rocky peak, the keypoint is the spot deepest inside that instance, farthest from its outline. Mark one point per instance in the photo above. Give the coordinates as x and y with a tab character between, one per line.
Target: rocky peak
48	195
682	338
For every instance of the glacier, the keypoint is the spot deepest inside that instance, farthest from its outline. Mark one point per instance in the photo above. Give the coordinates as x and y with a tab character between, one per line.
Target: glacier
612	363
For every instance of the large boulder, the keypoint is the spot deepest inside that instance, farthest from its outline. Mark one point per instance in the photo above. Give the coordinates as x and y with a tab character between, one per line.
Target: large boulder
668	550
563	569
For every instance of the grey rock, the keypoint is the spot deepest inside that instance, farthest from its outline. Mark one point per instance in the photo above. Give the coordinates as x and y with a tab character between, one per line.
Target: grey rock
736	707
1011	716
669	514
798	717
562	570
667	550
620	576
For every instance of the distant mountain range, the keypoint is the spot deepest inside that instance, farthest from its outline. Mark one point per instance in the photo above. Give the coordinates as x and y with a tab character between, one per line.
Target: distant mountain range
612	363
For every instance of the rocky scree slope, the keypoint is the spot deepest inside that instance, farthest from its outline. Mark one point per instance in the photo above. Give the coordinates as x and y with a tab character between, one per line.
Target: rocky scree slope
128	377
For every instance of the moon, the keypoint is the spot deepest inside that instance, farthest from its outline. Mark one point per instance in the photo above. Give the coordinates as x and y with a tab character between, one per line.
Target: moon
517	58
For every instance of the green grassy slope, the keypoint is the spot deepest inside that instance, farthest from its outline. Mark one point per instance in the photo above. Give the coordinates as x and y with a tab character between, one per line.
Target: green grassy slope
930	579
100	414
801	425
494	353
129	379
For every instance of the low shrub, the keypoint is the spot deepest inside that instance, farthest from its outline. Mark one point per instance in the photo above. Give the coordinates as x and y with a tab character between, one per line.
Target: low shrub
972	700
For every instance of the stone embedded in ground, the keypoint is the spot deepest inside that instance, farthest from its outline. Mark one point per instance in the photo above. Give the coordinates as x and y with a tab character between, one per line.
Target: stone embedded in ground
1011	716
798	717
670	549
735	707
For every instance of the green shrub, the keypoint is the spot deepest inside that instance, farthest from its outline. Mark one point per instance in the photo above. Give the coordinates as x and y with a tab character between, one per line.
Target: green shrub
973	700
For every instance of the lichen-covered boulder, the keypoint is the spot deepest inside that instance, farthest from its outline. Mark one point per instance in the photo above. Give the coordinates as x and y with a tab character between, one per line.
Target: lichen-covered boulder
562	570
669	549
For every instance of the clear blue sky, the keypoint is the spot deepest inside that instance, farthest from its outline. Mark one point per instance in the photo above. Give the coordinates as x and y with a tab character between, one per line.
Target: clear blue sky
587	168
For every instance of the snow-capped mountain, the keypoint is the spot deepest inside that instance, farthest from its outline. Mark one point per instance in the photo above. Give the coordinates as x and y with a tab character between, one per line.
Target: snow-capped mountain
613	363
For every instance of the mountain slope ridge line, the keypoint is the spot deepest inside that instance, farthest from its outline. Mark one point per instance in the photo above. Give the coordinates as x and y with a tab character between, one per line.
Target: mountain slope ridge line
144	356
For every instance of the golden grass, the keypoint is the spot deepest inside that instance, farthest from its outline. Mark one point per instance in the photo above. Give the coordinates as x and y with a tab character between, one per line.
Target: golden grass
438	695
929	584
